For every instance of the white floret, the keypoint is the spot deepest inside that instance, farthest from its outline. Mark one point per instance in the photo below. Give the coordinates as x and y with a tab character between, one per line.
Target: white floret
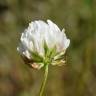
39	32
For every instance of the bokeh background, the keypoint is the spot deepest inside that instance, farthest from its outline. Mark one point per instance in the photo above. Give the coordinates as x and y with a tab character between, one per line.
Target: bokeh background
78	76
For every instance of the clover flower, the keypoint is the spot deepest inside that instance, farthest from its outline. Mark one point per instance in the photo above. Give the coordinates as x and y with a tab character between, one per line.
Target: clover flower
43	43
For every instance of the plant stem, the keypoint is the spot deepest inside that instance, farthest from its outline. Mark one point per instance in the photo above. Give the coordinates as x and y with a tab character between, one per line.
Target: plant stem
44	81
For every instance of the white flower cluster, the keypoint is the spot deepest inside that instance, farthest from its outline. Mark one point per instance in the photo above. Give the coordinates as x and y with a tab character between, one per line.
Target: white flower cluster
38	32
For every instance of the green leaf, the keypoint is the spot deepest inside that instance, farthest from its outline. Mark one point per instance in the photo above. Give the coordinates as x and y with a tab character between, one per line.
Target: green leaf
52	52
45	48
36	57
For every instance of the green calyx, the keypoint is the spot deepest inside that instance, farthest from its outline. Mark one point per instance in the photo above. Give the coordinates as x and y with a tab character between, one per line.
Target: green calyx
50	56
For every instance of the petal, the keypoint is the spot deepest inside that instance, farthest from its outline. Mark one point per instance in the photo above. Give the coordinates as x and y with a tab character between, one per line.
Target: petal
66	43
27	54
53	26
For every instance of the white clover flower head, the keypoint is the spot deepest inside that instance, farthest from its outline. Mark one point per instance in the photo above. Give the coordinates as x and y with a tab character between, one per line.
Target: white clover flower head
43	43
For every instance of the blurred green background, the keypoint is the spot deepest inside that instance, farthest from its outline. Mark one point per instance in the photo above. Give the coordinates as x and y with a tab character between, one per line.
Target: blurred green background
78	76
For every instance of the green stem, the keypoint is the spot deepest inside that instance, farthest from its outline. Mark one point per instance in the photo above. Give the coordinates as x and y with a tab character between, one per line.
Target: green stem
44	81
